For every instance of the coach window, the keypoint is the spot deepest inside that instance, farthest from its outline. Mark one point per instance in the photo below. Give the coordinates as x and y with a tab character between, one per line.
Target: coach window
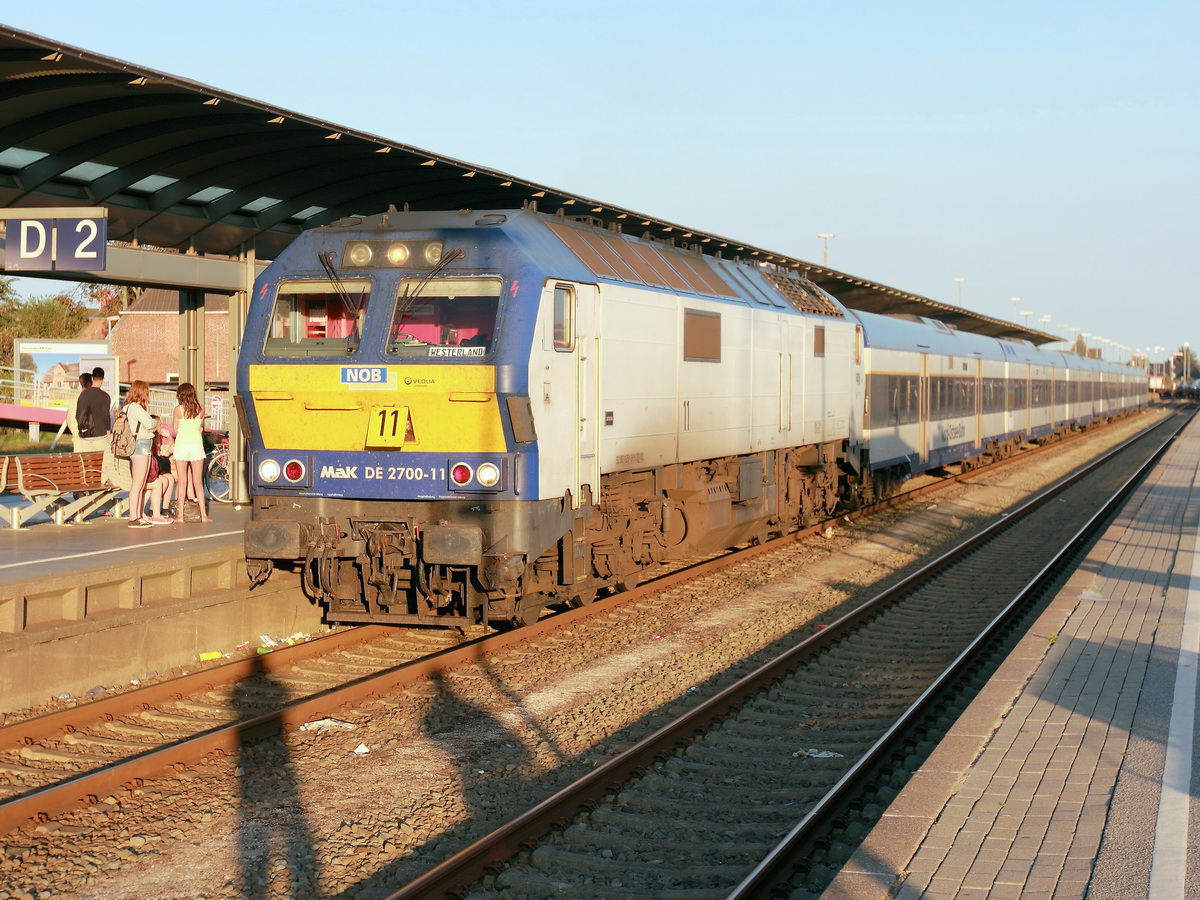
819	340
701	336
564	317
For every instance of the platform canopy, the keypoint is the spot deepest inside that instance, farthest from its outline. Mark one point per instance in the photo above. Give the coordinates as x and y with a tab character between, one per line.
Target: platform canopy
183	166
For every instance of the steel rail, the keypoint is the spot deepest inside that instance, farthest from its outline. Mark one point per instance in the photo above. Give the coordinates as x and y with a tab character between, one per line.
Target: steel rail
64	721
452	876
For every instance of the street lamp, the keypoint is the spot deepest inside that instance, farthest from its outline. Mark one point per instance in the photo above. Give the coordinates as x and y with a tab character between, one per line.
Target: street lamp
1027	314
825	251
958	286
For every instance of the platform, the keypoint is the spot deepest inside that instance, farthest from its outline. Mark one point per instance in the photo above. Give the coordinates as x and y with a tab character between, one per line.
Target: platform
98	603
1071	774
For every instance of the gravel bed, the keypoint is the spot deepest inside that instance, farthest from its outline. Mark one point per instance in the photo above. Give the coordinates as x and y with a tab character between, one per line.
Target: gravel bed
355	812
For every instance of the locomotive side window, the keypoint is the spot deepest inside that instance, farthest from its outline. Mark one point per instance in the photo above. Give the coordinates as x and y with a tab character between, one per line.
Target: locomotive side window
444	317
313	318
701	336
819	340
564	317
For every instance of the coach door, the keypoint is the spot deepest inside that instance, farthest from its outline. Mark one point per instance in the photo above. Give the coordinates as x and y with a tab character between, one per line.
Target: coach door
923	391
977	394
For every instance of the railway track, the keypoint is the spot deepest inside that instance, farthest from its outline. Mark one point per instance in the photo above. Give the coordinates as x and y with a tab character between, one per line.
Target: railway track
53	763
186	722
726	800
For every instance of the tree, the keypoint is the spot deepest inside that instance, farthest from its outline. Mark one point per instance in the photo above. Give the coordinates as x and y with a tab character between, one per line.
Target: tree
58	316
110	299
1183	364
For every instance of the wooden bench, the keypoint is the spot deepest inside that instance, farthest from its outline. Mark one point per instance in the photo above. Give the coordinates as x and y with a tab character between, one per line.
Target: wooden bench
44	480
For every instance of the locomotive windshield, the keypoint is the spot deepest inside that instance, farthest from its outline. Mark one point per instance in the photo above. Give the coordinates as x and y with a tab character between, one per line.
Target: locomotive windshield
314	318
444	317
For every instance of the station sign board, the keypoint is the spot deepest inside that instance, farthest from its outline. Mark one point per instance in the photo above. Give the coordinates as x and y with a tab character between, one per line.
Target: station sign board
55	240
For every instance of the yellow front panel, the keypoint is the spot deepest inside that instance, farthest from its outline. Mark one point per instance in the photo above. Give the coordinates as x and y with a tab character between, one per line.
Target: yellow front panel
451	408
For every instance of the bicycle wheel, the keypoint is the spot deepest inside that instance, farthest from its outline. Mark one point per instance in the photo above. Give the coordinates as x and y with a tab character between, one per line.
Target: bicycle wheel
216	476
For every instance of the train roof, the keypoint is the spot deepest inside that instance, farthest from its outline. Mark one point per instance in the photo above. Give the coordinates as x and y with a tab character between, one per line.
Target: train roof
932	336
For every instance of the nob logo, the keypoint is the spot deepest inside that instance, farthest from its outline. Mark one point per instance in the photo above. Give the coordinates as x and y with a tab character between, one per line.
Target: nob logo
364	374
410	381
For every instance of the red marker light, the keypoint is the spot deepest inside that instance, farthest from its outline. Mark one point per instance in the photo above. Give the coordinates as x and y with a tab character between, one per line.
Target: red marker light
294	470
460	474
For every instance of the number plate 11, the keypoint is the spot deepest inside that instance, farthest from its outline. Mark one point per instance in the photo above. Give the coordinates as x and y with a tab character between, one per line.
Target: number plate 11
389	427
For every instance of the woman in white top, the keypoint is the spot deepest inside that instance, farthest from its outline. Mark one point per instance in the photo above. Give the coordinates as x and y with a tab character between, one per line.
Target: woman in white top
189	450
143	427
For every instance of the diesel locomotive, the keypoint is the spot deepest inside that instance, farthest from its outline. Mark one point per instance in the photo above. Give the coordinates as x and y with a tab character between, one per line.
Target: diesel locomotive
463	417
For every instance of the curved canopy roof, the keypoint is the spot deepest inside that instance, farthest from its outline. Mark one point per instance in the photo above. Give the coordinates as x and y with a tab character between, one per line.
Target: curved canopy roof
185	166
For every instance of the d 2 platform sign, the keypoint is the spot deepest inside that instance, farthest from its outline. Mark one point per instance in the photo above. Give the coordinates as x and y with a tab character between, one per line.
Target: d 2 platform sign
47	240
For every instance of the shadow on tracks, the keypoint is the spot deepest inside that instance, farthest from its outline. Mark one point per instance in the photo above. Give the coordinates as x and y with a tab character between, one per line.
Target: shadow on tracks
275	842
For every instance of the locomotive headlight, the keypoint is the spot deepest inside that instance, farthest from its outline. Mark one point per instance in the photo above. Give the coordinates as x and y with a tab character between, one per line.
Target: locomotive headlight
398	254
268	470
359	254
460	474
433	253
488	475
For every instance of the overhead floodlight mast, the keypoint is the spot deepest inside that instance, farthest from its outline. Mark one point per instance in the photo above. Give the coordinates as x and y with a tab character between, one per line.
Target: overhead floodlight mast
825	251
958	287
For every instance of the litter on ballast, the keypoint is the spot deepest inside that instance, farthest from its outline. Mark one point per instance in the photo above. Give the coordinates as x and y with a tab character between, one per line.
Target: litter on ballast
814	753
268	641
319	725
362	750
210	654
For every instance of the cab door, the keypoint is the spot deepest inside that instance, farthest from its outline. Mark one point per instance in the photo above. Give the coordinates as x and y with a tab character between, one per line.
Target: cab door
567	366
587	393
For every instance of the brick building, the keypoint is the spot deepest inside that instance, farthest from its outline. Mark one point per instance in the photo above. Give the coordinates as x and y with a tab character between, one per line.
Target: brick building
145	338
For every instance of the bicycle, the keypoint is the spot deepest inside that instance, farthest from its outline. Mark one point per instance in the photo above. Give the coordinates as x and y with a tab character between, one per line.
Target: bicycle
216	473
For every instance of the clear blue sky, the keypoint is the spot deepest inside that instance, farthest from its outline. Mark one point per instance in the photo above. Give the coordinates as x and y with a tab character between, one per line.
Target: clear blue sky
1040	150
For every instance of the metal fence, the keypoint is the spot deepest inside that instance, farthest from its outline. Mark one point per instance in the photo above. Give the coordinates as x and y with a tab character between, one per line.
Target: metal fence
25	387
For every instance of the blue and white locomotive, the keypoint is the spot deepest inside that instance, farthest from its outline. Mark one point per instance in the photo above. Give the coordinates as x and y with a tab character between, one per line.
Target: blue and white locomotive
460	417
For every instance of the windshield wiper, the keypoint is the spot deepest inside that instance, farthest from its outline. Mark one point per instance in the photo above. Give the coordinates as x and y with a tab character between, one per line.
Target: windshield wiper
409	296
353	309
